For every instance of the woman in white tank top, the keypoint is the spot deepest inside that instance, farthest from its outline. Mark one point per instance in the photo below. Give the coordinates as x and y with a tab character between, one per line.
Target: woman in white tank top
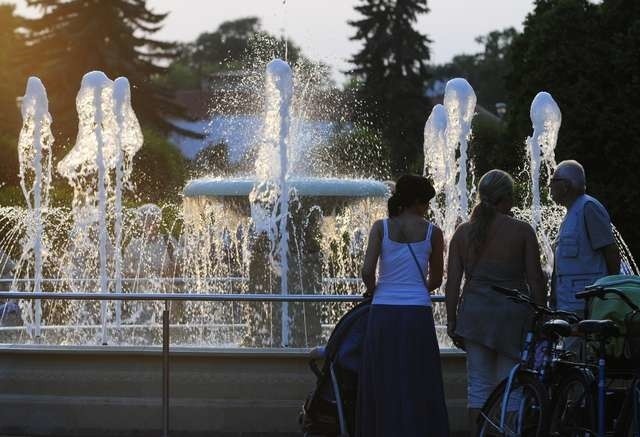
400	382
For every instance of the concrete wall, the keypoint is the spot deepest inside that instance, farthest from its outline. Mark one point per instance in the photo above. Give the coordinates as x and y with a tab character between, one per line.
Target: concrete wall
115	391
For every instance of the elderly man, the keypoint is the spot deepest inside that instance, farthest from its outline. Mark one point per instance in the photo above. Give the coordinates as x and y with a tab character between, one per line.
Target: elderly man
585	249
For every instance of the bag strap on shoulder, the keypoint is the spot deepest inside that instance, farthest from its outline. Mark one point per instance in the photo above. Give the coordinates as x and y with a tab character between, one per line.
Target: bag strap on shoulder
415	258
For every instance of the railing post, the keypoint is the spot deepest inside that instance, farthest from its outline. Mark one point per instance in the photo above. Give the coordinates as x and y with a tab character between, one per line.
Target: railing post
165	369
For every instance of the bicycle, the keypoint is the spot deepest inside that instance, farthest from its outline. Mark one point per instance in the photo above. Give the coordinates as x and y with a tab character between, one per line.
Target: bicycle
518	406
579	403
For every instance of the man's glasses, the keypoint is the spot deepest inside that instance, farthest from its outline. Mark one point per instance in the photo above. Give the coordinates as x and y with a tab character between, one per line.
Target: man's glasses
555	179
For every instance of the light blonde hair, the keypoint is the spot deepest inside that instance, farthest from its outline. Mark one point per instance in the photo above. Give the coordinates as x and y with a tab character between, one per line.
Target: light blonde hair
494	186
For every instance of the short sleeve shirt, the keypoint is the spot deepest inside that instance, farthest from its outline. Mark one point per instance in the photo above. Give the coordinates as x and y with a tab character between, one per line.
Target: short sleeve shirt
598	226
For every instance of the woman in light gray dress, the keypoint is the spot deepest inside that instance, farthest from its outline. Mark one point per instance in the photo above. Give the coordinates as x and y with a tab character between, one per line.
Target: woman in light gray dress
492	248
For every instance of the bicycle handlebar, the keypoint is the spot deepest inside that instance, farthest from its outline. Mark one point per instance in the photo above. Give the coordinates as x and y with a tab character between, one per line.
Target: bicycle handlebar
519	297
509	292
601	293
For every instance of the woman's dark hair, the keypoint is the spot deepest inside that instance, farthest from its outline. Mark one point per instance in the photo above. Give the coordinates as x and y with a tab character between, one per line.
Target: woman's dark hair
409	190
494	186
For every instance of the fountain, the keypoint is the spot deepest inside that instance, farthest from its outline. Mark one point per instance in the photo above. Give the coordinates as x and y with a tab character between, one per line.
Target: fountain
278	227
274	229
446	134
34	150
285	217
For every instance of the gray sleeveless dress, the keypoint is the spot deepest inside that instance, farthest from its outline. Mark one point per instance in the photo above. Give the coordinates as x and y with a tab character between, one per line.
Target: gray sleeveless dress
488	317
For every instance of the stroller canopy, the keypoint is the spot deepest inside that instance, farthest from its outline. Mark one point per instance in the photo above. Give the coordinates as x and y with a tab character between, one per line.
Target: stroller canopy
344	347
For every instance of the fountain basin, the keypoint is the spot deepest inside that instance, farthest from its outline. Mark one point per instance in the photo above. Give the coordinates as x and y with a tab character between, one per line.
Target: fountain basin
115	391
304	186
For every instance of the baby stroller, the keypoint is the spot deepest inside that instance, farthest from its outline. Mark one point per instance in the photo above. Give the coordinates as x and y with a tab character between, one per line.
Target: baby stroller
330	409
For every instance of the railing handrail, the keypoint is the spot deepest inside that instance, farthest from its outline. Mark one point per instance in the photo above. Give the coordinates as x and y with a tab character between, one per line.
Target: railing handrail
166	297
130	279
230	279
196	297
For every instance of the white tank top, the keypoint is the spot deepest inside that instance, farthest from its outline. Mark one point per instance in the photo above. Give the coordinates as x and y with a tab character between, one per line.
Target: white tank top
399	280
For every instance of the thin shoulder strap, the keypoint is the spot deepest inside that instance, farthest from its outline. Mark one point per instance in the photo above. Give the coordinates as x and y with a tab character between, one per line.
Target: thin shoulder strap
386	228
429	232
424	279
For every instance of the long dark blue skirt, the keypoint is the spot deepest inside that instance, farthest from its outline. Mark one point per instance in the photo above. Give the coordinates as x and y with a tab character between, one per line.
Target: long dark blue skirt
400	385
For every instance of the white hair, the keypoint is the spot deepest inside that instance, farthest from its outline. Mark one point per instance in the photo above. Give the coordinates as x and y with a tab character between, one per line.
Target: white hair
573	172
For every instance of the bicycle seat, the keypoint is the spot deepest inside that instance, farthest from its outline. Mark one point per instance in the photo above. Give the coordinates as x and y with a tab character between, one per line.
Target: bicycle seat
605	328
557	327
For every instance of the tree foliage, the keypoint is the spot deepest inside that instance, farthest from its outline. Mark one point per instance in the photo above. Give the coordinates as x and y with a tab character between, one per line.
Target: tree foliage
490	147
11	83
234	45
586	55
11	87
356	152
73	37
8	160
159	170
392	73
213	159
486	71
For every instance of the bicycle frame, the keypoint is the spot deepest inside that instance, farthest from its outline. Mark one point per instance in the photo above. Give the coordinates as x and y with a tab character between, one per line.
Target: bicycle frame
505	397
602	387
527	349
524	361
635	398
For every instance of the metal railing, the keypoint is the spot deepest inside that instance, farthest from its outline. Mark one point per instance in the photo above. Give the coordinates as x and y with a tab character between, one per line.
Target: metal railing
195	297
185	280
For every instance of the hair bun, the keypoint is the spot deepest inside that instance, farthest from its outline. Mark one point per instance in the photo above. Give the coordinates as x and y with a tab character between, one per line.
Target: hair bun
394	206
409	189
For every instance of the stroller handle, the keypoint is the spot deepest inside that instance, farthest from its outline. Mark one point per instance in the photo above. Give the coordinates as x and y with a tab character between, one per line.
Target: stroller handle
601	293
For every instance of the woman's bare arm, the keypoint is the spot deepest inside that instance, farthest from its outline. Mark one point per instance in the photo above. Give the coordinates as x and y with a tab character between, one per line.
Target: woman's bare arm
533	268
455	271
436	260
371	256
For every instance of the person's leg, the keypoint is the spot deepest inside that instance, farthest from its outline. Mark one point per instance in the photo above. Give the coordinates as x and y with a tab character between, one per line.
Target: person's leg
480	379
503	367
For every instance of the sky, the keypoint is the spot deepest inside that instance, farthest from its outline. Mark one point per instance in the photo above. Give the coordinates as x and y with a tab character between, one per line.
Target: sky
320	27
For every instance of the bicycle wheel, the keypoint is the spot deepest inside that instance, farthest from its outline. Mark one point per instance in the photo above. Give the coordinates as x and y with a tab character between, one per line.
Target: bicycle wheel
573	406
628	421
526	412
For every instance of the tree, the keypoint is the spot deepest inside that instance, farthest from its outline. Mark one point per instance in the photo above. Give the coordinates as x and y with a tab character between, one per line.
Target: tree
490	148
11	81
213	159
586	55
159	170
11	87
392	71
356	152
486	71
234	45
76	36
